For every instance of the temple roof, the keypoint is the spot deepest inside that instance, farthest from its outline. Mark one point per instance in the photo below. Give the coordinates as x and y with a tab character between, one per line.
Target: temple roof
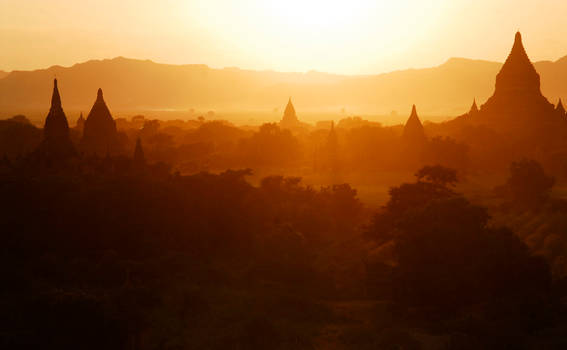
289	119
100	134
474	108
56	142
413	129
518	72
56	124
560	109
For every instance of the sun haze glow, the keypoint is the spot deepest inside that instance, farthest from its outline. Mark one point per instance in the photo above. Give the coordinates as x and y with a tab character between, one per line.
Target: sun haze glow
353	37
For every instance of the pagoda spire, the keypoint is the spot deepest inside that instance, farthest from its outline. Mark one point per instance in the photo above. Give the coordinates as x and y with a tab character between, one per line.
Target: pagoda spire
518	73
289	118
100	135
55	97
474	108
56	141
560	109
413	129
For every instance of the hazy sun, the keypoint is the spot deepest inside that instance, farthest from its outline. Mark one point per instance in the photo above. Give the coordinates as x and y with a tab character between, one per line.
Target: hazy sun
317	14
327	34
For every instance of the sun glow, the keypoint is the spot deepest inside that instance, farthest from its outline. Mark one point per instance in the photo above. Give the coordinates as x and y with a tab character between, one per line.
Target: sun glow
318	34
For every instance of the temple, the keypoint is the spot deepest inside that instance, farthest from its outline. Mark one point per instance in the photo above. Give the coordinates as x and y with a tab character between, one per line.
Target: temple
517	97
560	110
413	133
56	142
80	126
474	109
100	136
289	119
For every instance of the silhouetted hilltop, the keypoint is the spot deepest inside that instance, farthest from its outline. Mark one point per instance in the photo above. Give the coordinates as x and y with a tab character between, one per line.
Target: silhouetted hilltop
3	74
138	85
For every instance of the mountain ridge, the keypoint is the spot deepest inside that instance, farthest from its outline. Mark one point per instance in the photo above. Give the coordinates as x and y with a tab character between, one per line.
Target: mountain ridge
137	85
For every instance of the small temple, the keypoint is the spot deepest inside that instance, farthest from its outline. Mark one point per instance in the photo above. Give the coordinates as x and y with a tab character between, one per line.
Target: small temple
80	126
56	142
100	136
474	109
560	109
289	119
413	133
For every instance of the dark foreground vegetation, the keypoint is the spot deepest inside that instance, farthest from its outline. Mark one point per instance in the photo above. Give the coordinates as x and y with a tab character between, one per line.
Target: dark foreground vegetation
106	255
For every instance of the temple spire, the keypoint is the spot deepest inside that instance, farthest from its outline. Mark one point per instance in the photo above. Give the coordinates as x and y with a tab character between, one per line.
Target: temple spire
56	142
413	129
474	108
289	119
518	75
55	97
560	109
100	135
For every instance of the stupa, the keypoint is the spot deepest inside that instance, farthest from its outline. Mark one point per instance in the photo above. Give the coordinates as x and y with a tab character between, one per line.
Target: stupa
56	142
100	136
413	133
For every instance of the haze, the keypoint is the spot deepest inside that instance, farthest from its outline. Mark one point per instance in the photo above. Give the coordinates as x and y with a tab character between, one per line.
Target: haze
354	37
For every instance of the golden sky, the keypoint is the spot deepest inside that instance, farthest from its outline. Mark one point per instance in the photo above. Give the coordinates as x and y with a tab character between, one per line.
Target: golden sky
351	37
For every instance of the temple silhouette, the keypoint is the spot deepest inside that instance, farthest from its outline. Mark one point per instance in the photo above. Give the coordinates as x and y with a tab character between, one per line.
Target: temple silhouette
100	136
56	144
290	120
413	134
80	126
517	96
517	110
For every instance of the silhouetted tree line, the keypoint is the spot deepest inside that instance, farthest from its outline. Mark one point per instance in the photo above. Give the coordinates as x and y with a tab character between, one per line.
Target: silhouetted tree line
111	259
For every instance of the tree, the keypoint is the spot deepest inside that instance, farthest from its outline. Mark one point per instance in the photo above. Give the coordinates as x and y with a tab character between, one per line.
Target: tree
438	175
528	184
446	254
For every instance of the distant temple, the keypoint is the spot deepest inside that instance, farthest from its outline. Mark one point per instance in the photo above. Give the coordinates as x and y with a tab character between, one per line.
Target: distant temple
80	123
560	110
474	109
517	97
413	133
100	136
289	119
56	142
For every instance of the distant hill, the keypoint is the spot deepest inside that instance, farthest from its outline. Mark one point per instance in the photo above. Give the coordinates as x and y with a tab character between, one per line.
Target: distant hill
138	85
3	74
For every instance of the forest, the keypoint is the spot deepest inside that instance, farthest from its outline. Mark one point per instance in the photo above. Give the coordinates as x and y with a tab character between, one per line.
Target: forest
141	233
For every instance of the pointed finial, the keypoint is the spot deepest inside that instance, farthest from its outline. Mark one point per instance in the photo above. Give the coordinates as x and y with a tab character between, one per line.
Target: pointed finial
474	107
99	93
413	110
55	97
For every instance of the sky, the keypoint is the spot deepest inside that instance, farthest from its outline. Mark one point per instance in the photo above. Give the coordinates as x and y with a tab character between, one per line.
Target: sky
345	37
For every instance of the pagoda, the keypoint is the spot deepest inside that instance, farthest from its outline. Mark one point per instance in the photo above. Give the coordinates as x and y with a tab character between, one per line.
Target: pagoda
100	136
289	119
517	97
56	144
413	133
